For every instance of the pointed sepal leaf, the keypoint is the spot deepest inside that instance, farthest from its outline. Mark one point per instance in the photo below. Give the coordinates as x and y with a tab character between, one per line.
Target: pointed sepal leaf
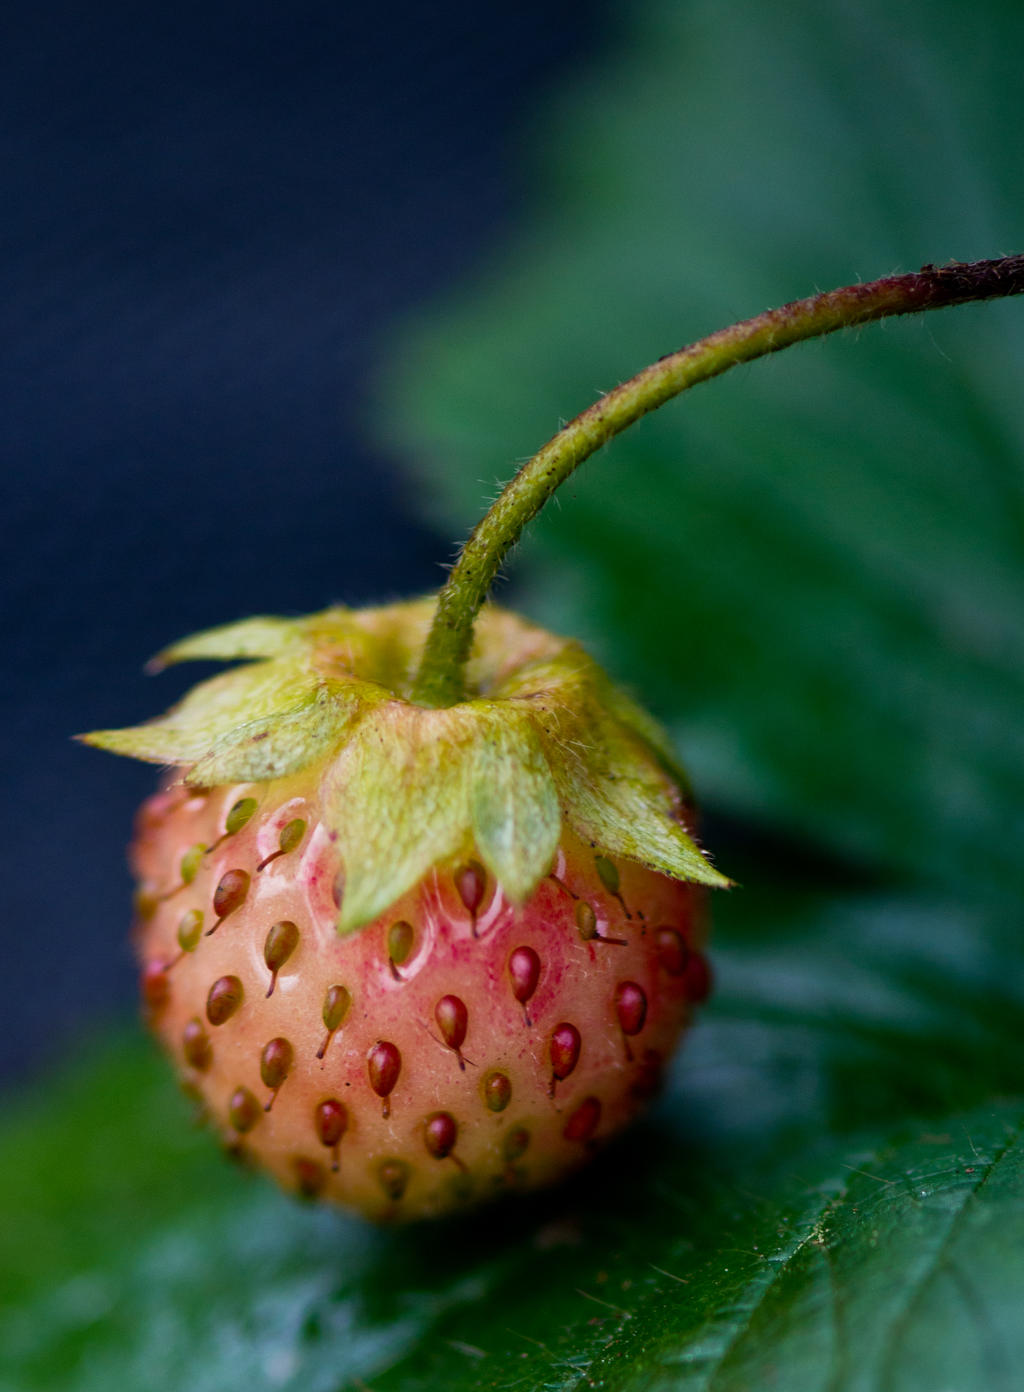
632	814
612	767
263	636
283	743
396	796
633	716
213	712
513	803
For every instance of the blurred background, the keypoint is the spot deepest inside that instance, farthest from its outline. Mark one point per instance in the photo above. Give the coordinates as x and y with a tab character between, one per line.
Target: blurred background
288	292
213	215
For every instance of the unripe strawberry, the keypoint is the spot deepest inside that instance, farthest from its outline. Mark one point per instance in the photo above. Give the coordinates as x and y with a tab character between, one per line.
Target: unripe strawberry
410	958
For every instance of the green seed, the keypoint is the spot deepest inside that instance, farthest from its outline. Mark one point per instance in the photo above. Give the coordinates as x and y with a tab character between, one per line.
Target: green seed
586	920
608	873
190	930
400	941
239	815
291	835
497	1091
190	862
336	1004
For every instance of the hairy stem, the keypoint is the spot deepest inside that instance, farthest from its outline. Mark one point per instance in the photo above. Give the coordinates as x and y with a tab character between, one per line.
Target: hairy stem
441	677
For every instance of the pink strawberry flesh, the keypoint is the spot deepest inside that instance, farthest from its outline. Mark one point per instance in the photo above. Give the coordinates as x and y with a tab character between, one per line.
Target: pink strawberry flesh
504	1046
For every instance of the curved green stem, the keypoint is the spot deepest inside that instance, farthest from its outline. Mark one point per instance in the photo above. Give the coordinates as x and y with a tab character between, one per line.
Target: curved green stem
441	677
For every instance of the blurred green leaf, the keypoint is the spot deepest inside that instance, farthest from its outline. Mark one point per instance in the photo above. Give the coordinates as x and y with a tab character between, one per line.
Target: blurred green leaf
828	1197
814	568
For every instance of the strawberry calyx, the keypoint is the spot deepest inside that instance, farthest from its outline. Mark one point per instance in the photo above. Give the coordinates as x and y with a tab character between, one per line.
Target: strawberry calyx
542	737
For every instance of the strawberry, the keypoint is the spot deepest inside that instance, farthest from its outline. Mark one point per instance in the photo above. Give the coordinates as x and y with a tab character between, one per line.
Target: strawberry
421	920
409	958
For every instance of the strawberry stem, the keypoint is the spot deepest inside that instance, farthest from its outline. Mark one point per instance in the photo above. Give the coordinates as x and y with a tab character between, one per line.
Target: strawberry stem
441	678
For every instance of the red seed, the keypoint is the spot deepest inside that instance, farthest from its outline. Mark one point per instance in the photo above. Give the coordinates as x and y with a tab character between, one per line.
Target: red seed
517	1142
584	1120
564	1051
226	995
155	984
282	940
195	1045
630	1007
471	882
452	1020
497	1091
672	950
229	895
243	1110
383	1065
331	1121
440	1134
394	1178
649	1076
275	1065
524	969
698	978
310	1177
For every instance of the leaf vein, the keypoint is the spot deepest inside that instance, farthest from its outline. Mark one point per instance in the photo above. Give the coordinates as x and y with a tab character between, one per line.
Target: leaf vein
937	1258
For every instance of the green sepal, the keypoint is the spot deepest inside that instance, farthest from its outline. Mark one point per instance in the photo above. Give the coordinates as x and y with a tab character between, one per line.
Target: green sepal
544	742
395	797
633	716
414	788
611	763
263	636
281	744
513	801
621	807
213	712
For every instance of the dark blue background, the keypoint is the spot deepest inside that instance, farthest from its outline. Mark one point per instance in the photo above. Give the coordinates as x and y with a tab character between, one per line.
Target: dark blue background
209	215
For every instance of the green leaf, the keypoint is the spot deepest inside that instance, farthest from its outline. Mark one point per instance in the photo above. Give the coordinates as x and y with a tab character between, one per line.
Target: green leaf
813	569
828	1197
